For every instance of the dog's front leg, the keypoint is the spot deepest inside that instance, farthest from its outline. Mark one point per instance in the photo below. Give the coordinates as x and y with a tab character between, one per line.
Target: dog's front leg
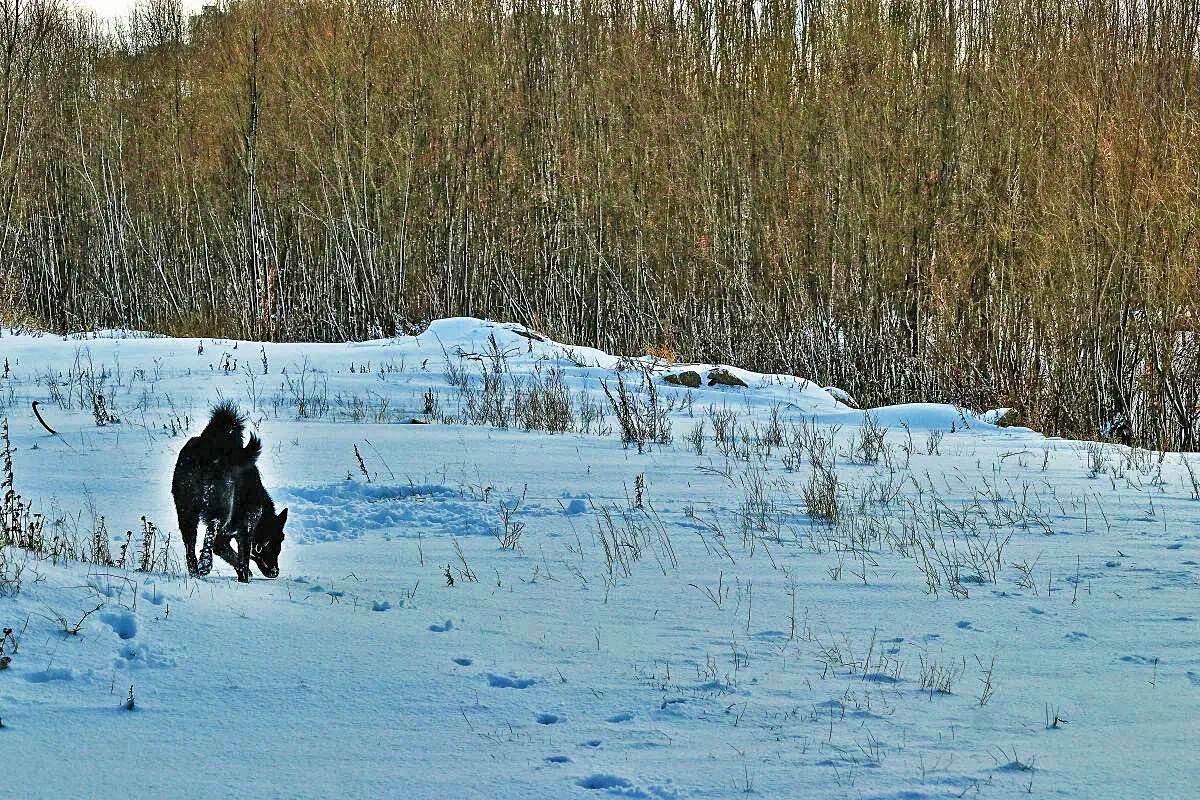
204	564
222	549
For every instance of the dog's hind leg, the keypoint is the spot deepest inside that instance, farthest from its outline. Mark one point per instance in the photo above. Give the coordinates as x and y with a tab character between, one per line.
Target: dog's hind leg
187	529
204	564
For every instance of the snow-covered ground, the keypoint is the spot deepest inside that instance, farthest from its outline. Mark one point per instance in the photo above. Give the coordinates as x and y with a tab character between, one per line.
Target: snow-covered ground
992	614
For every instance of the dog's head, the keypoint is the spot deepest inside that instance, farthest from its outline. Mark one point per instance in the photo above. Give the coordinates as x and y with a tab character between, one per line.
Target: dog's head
268	541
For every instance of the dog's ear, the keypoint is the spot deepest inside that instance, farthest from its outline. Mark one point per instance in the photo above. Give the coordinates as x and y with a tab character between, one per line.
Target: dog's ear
282	517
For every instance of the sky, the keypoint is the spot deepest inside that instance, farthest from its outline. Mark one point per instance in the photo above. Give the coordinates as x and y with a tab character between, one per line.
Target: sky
119	8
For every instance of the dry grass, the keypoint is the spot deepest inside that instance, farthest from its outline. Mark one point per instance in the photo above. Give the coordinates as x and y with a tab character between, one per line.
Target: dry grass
988	203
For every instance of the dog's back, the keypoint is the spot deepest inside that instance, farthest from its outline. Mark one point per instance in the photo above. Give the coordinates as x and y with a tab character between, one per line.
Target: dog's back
212	465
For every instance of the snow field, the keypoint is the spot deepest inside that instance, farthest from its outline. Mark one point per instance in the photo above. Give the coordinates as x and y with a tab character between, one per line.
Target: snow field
992	614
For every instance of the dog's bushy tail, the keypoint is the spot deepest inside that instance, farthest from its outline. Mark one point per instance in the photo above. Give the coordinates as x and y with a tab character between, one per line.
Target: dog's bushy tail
224	430
251	451
225	424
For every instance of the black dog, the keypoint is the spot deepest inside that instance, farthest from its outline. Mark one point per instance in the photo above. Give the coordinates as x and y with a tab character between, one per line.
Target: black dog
216	481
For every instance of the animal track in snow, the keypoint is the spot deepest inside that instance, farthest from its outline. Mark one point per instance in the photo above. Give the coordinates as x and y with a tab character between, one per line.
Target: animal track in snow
623	787
108	590
448	625
771	635
1140	660
463	662
605	781
53	674
154	597
123	623
140	656
509	681
624	716
550	719
880	677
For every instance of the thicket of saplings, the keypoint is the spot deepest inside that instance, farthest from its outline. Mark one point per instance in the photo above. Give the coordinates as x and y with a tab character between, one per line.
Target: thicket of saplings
990	202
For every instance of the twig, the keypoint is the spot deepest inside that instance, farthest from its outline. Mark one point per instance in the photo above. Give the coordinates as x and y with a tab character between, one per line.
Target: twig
38	414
